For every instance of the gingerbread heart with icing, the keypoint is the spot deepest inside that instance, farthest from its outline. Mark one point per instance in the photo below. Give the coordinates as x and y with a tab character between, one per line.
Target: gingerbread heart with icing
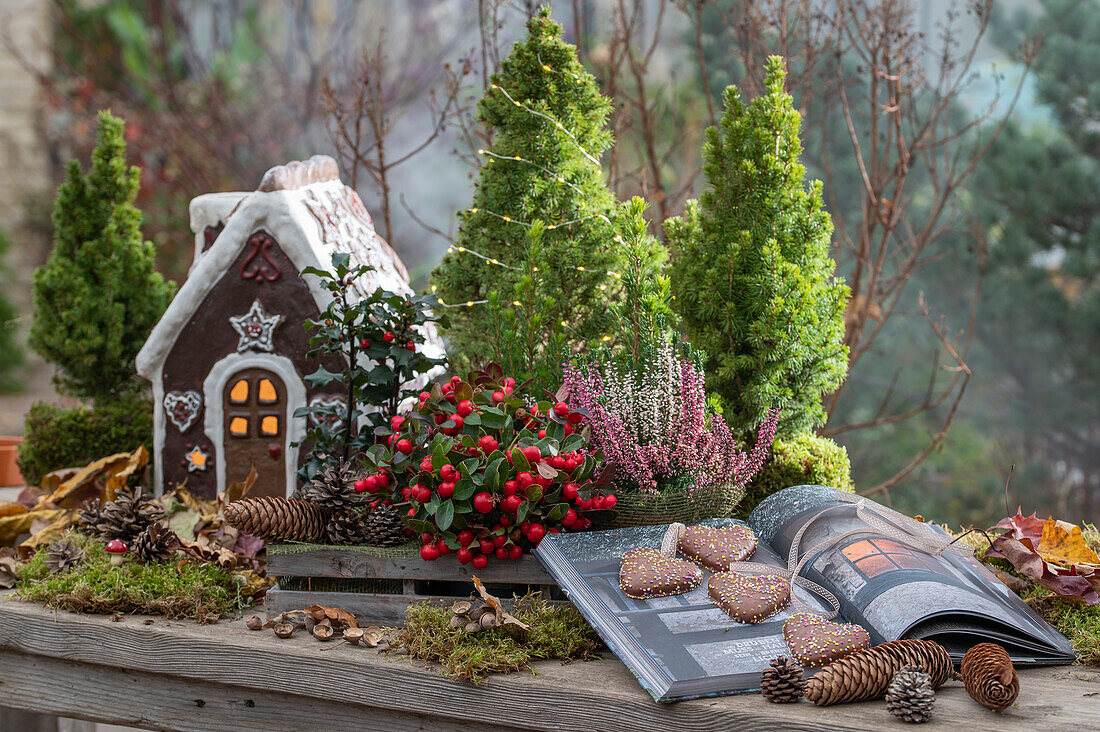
748	598
647	573
815	641
716	548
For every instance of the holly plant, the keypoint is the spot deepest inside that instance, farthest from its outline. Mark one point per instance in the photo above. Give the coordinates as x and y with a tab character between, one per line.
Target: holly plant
378	334
488	474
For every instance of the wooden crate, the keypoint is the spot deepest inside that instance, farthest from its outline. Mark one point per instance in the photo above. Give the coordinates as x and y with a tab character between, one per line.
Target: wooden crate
414	580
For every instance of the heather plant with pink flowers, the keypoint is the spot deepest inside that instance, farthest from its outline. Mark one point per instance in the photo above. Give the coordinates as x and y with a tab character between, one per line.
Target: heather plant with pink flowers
650	418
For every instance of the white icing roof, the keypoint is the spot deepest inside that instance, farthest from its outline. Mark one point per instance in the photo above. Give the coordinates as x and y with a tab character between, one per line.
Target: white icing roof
311	214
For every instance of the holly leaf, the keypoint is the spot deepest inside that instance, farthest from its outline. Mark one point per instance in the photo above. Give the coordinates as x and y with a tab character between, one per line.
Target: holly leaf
464	489
444	515
547	471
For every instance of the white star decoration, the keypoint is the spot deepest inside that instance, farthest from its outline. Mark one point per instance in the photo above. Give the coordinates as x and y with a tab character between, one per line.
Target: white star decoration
256	328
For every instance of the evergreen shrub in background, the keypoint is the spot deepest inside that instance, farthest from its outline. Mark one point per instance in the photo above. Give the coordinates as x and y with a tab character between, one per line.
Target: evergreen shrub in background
751	273
11	352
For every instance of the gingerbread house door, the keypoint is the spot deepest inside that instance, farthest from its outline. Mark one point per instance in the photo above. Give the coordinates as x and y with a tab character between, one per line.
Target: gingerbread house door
254	409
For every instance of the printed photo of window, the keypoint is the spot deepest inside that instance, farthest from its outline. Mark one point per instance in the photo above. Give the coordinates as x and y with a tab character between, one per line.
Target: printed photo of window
872	557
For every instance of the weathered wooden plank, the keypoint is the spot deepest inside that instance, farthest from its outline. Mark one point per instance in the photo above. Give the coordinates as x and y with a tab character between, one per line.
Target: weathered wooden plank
356	565
370	609
598	696
162	702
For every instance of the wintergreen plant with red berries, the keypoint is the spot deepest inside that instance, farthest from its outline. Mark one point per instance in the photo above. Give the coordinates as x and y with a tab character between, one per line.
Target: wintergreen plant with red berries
485	473
378	333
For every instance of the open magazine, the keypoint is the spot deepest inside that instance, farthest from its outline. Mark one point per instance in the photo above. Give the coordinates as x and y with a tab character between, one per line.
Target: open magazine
684	646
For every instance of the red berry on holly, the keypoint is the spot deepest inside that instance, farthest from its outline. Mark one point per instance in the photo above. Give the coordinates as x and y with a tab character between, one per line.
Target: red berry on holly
383	479
561	409
483	502
446	490
575	418
396	422
511	504
569	491
597	503
423	494
502	552
570	517
535	533
510	487
515	551
532	453
610	501
456	380
568	430
583	504
387	337
570	465
441	417
459	421
487	444
429	552
424	396
505	521
498	396
404	446
364	343
464	408
360	486
426	465
544	481
498	541
525	479
557	462
486	546
464	555
480	561
509	381
427	538
542	434
508	390
370	484
465	537
411	346
441	545
448	472
411	512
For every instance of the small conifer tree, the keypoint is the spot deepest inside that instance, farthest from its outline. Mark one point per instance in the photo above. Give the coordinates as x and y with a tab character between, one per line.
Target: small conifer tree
543	173
752	277
11	352
99	294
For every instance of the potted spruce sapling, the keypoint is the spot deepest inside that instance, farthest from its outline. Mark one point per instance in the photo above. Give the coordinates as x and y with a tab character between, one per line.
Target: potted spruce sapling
670	453
379	335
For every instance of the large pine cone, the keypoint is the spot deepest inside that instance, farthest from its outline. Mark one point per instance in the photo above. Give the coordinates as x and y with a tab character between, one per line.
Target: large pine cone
782	681
278	519
128	514
61	556
156	544
910	696
866	673
334	487
384	526
989	676
345	528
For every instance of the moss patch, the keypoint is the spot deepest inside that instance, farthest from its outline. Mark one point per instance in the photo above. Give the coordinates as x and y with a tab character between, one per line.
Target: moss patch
556	632
184	590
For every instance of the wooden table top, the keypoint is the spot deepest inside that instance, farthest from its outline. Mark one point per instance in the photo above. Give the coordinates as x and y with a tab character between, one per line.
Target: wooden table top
170	675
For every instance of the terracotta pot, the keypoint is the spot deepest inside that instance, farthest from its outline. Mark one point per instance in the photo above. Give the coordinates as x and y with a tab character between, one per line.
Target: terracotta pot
9	470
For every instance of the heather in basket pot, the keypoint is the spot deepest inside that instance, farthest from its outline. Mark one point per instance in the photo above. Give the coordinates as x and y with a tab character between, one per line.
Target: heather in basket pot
486	473
671	455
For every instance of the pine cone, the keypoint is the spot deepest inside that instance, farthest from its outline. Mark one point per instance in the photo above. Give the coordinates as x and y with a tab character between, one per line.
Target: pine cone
88	517
782	681
278	519
910	696
157	543
866	673
124	517
345	528
384	526
989	676
333	487
61	556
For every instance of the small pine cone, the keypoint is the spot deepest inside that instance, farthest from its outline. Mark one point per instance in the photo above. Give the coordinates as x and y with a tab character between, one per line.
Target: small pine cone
157	544
278	519
128	514
88	517
61	556
910	696
345	528
384	526
782	681
333	487
866	673
989	676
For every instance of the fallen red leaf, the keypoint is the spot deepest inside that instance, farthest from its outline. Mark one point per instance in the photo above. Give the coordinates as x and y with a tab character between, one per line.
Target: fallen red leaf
1065	583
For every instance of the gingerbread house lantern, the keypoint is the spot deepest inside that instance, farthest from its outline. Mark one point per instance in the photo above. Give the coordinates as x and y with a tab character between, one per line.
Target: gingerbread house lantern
227	359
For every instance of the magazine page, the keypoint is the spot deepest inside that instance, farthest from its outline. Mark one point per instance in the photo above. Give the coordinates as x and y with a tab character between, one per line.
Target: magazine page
896	590
679	646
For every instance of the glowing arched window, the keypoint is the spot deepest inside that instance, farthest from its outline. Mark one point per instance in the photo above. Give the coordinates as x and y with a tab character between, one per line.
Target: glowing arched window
239	393
238	427
265	392
269	425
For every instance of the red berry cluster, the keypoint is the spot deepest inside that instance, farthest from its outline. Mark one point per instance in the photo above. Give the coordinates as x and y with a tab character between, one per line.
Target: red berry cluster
487	475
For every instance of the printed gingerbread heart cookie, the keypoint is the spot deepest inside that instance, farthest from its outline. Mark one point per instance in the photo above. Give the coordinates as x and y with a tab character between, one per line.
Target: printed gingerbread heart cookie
717	548
647	573
748	598
815	641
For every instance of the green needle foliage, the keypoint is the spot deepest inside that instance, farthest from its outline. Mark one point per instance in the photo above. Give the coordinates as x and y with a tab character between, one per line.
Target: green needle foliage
11	352
751	273
549	124
99	294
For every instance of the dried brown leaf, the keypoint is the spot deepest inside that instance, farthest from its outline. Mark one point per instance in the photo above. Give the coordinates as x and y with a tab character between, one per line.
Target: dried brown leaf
338	617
